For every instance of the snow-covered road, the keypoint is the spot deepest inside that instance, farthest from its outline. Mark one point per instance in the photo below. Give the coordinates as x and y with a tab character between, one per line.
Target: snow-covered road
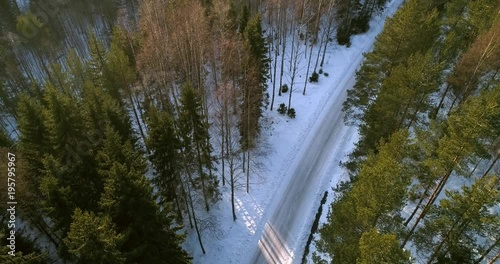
283	228
282	238
275	218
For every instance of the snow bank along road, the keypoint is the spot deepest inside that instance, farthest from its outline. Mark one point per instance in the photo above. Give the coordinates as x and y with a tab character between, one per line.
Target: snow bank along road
282	231
283	228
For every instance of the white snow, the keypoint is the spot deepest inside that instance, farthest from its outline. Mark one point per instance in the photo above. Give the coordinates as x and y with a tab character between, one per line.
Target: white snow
228	241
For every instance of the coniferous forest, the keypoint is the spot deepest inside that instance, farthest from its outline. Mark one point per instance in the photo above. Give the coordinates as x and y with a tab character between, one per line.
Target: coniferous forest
427	102
127	117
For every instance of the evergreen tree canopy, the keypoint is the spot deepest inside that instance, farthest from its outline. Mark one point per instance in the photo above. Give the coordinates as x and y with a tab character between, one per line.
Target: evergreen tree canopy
412	29
374	201
93	239
149	235
381	248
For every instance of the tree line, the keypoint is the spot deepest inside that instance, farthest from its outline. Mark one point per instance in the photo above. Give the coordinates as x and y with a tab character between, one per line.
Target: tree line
128	116
427	102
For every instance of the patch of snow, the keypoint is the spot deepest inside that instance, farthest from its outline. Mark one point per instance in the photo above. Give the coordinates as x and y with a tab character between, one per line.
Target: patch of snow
231	241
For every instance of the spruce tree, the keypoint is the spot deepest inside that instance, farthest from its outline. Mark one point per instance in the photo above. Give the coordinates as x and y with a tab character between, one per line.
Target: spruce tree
5	140
244	18
165	145
70	159
95	68
120	77
100	110
33	141
76	69
256	64
20	257
194	130
258	48
128	200
93	239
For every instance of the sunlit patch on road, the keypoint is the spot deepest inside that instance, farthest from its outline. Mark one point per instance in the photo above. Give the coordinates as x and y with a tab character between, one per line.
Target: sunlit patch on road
273	247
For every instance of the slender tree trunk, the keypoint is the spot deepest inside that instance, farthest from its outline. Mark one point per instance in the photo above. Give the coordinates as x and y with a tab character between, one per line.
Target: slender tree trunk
422	198
293	33
274	72
445	239
426	207
137	119
441	101
178	205
185	196
248	171
231	168
195	221
290	95
230	158
42	226
329	28
475	167
494	259
283	52
200	170
223	138
319	51
307	72
487	251
453	104
492	79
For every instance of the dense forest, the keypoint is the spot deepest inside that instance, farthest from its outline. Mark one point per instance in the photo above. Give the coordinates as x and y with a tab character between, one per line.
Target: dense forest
128	116
427	102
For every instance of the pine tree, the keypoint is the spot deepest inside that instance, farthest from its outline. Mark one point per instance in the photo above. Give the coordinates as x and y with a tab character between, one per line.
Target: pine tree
479	61
5	140
8	12
459	220
70	159
463	21
374	201
412	29
60	79
258	49
381	248
403	98
33	147
346	10
468	131
76	70
118	72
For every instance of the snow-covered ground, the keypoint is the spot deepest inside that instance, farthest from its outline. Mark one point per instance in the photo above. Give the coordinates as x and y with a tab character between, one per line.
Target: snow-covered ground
228	241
